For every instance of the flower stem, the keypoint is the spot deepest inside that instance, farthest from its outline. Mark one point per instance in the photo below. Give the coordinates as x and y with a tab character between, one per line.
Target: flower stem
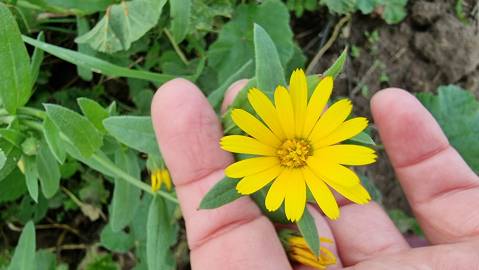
175	47
110	166
130	179
32	112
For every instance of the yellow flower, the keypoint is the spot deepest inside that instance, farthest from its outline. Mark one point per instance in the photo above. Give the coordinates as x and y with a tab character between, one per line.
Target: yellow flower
158	177
299	251
298	146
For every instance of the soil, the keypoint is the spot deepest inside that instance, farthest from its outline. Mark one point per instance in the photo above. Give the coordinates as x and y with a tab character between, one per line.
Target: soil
431	47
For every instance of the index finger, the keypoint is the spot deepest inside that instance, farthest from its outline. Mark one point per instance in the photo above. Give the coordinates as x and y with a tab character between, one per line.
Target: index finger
235	236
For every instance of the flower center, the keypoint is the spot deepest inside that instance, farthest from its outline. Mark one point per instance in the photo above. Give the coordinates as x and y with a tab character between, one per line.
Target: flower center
293	153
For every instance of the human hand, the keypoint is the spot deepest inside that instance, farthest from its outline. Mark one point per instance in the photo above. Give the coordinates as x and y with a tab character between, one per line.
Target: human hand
441	188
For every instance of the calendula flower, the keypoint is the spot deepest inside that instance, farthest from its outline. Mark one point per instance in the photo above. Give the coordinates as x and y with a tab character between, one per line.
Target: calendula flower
159	177
299	251
297	146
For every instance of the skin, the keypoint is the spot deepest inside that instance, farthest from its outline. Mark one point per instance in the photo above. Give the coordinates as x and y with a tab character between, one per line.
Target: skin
442	191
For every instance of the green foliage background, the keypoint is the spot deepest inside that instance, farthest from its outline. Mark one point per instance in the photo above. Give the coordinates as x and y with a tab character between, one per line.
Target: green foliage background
78	149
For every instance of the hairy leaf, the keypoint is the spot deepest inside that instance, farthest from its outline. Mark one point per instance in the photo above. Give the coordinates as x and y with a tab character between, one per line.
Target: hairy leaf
234	46
15	77
457	111
24	257
123	24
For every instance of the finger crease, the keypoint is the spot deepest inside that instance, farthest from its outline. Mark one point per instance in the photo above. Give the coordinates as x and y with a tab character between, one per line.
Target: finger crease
225	229
425	157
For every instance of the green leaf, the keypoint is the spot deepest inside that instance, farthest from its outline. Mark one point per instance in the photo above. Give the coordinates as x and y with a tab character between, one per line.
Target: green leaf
367	6
116	241
97	65
220	194
204	13
123	24
126	197
78	7
12	187
3	159
82	28
159	231
180	13
372	189
13	136
363	138
91	161
394	11
334	70
37	59
337	67
234	46
216	97
12	154
31	176
81	132
269	71
15	77
52	136
404	222
24	257
45	260
339	6
307	227
457	111
48	171
94	112
134	131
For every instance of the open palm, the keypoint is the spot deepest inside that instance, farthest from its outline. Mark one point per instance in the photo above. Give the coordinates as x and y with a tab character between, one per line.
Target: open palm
442	191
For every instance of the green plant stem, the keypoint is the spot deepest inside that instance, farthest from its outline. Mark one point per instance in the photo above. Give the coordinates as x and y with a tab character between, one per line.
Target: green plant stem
175	47
32	112
114	169
33	124
328	44
130	179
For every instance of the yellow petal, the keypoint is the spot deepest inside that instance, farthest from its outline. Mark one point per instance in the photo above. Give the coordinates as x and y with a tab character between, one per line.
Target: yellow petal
345	131
154	182
249	124
322	194
255	182
265	109
347	154
308	262
246	145
357	193
295	199
284	108
298	89
317	103
250	166
165	176
331	119
277	191
332	172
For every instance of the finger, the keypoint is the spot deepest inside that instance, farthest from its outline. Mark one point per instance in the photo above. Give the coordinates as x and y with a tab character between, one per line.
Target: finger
452	256
365	231
231	93
440	187
235	236
323	231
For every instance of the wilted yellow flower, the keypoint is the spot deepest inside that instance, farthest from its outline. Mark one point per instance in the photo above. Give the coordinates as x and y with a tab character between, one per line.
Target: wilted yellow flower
298	146
159	177
299	251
